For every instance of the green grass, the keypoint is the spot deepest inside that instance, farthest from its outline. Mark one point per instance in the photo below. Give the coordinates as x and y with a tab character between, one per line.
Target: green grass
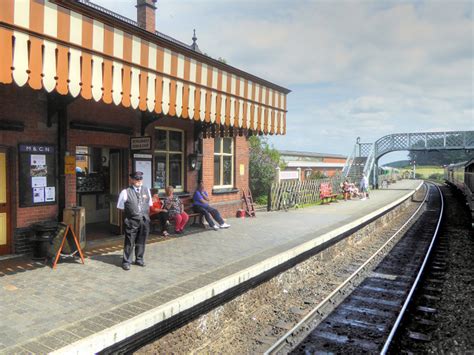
424	171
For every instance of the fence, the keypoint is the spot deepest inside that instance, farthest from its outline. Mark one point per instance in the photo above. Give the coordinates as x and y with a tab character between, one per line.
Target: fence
384	180
299	192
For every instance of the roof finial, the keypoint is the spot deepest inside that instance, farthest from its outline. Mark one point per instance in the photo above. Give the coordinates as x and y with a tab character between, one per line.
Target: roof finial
194	46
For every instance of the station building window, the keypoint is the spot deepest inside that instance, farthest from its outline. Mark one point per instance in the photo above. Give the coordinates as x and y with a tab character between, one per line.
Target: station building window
169	159
223	162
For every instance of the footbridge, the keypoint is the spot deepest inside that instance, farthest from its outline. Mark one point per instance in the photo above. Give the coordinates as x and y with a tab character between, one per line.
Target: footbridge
365	156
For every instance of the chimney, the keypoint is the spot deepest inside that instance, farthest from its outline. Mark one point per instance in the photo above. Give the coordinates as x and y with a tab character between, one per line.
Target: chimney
146	15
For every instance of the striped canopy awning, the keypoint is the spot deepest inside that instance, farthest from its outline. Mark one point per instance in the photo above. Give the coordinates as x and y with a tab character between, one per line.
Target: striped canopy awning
63	46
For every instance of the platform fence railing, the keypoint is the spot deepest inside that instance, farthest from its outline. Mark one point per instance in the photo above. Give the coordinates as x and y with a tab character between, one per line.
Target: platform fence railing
292	193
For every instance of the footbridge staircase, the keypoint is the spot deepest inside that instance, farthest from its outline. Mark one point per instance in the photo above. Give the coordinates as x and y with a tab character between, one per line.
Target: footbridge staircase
365	156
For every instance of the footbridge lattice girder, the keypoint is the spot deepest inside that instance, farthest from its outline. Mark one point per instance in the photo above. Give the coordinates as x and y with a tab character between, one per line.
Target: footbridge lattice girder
370	153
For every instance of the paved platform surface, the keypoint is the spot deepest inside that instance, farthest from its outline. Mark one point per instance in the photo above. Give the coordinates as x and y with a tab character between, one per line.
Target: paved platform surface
43	310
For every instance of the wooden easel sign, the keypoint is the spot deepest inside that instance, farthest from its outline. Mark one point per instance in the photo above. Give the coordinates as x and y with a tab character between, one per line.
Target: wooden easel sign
67	231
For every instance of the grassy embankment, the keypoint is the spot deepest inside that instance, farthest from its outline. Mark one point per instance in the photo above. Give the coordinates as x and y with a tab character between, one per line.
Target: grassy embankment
426	172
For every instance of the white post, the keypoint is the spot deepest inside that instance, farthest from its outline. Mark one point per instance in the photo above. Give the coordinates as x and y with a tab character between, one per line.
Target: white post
299	173
277	175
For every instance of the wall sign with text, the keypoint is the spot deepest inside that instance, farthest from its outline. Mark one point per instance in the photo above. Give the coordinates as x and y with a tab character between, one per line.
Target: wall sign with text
140	143
37	174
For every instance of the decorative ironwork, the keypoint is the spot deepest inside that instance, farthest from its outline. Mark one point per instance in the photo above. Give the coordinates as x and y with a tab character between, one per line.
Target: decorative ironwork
426	141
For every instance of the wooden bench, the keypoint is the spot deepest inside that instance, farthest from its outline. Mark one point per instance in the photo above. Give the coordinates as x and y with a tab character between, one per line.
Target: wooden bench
188	208
325	192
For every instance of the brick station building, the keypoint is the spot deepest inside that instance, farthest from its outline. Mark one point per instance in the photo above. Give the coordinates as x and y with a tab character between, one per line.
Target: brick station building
311	162
87	95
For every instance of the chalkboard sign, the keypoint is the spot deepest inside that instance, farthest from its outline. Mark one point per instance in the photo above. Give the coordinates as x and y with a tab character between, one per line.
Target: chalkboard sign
69	246
37	175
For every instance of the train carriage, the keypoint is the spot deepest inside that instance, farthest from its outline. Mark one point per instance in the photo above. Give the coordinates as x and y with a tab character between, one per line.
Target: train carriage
461	175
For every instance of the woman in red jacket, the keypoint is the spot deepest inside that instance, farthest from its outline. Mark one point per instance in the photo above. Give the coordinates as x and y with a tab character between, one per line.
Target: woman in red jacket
157	211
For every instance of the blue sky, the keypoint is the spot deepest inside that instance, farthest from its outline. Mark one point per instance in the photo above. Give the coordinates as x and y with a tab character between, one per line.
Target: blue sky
355	68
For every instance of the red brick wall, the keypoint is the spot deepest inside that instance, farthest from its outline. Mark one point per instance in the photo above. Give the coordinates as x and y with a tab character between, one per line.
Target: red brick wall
146	15
228	203
30	107
334	160
98	113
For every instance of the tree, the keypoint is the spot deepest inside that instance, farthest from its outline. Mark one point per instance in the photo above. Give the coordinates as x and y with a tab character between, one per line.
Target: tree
441	157
264	159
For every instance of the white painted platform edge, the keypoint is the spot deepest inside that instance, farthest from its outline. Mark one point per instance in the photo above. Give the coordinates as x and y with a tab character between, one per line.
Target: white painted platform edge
107	337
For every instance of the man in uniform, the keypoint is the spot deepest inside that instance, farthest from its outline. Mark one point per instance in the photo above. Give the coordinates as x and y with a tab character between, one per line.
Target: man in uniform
135	201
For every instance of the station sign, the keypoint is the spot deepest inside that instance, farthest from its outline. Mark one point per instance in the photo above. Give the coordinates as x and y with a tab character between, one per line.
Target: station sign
140	143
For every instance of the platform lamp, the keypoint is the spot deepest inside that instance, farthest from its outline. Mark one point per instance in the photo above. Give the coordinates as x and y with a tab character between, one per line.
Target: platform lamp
192	161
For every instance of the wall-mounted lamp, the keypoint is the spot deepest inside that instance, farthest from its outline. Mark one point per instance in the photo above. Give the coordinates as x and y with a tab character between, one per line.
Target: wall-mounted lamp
192	161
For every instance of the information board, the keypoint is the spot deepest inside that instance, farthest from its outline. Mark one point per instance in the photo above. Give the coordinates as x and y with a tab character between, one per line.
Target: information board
37	175
143	163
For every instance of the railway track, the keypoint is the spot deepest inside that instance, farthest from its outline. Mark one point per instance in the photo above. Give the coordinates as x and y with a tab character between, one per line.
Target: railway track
363	313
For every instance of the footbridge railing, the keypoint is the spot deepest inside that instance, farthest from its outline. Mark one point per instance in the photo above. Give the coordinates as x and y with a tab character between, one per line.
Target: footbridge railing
422	141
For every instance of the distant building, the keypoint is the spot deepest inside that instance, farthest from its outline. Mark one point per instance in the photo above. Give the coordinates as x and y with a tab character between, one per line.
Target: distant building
309	163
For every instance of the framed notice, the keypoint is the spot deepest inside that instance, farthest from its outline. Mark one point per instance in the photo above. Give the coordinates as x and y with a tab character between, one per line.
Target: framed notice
140	143
37	174
143	163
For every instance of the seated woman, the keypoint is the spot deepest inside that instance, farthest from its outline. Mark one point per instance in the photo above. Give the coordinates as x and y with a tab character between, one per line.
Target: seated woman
346	190
175	208
157	212
353	190
201	205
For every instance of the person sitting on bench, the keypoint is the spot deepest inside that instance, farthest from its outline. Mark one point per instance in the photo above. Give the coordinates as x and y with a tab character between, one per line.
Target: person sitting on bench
158	212
175	208
201	205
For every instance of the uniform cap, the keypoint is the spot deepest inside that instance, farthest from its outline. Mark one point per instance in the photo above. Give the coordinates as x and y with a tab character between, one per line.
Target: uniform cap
137	175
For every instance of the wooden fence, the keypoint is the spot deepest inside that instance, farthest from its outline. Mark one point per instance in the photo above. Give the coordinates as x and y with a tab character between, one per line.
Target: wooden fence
299	192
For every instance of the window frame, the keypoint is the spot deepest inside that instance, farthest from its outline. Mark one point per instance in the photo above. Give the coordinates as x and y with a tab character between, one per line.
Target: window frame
221	155
167	152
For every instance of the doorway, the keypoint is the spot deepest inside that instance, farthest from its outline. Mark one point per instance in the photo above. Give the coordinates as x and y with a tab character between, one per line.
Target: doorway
99	180
5	240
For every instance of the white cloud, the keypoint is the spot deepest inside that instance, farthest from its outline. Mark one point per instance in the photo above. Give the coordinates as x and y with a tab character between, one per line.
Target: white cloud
356	68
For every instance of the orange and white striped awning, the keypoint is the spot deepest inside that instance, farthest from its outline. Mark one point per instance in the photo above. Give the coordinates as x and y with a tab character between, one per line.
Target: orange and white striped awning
49	46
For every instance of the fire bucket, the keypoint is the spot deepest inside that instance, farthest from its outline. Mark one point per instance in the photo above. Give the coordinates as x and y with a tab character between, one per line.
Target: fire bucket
240	214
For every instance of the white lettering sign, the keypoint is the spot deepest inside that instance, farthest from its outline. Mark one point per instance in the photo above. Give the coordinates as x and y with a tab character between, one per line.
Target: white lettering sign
288	175
140	143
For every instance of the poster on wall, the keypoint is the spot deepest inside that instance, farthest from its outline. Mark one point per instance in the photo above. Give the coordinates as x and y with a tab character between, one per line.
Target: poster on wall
142	162
50	194
38	194
38	181
37	174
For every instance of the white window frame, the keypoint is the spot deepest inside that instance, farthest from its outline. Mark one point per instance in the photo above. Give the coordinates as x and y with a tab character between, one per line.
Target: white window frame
168	152
221	155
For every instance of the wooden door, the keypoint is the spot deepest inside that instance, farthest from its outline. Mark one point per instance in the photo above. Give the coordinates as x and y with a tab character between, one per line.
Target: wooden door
116	185
5	239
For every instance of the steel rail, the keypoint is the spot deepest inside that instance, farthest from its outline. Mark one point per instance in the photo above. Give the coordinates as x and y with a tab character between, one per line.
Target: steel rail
279	344
417	279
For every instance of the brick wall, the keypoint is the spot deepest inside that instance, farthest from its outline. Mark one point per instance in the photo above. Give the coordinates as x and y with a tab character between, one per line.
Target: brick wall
334	160
228	203
29	107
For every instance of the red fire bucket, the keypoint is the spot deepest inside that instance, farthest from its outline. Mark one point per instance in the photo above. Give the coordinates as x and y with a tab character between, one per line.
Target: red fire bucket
240	214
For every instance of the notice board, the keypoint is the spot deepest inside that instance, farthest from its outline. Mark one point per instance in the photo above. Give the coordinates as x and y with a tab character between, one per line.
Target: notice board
37	175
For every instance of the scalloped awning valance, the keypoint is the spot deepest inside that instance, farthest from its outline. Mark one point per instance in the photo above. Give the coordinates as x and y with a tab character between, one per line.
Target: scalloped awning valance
48	45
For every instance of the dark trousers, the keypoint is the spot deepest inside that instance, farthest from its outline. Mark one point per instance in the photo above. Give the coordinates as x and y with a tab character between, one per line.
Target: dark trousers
136	233
209	211
163	218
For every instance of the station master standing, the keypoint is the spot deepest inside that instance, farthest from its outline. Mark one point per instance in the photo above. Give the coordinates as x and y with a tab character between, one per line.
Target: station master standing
135	201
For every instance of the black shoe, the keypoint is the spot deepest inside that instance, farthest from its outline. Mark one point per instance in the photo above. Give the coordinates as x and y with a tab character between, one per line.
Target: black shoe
126	267
140	263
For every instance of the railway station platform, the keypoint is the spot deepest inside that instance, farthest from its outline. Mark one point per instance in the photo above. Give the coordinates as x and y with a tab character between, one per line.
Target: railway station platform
84	309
